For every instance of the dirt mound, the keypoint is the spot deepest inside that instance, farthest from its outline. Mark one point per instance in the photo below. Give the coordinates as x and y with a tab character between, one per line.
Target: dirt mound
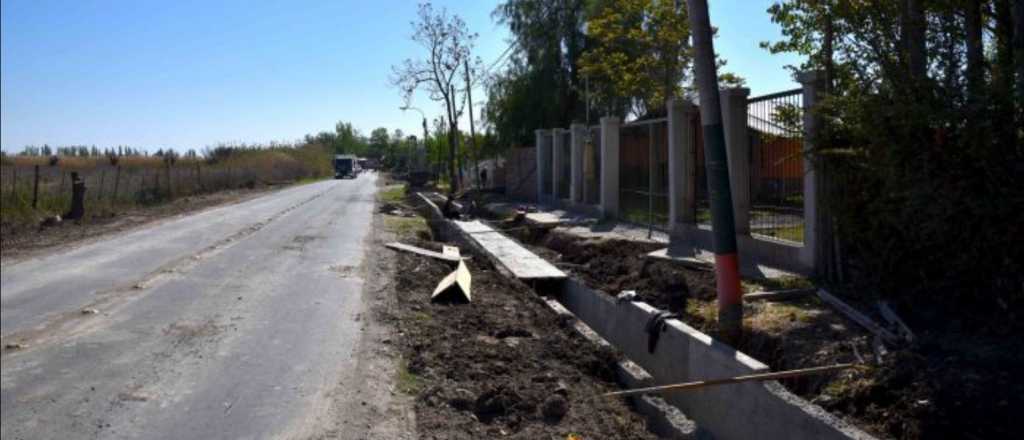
616	265
503	365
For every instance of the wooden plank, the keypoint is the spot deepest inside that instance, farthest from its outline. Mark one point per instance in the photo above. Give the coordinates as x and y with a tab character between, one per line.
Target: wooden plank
895	320
459	280
424	252
779	295
451	251
856	316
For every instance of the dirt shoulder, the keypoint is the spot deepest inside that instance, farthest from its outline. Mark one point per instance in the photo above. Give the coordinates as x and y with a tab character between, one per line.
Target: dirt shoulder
502	365
19	243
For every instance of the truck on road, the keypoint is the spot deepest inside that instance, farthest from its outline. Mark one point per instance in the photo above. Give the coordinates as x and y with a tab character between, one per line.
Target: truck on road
346	166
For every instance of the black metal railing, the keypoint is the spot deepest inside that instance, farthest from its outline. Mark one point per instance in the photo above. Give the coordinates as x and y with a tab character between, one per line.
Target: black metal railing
776	137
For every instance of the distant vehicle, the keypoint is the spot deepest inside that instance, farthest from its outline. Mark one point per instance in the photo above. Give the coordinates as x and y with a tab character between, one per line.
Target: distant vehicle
346	166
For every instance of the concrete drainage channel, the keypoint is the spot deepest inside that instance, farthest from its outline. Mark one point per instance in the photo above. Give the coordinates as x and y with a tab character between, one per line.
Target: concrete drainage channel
682	354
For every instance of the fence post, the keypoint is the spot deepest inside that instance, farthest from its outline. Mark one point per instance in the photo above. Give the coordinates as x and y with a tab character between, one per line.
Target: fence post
103	178
577	132
816	248
170	187
199	178
557	162
737	143
35	187
14	182
77	210
681	167
117	181
610	166
542	136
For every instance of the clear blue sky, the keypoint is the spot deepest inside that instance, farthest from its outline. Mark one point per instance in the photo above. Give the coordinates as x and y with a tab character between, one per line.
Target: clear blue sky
188	73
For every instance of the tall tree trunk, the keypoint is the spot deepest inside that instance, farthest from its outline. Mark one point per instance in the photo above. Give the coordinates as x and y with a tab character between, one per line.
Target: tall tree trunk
452	175
827	57
1018	56
1003	78
472	129
975	70
914	41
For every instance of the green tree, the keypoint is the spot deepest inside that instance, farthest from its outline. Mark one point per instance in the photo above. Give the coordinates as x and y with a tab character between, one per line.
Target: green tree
639	55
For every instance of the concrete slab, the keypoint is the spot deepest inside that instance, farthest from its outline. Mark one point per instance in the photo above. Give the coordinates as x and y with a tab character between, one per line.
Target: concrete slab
543	219
522	263
705	259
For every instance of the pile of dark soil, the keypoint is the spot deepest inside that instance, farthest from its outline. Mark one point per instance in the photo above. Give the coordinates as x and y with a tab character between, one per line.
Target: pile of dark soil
617	265
502	365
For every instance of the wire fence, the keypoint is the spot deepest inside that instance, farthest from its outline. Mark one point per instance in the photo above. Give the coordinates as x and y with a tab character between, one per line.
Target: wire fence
776	166
702	199
29	190
643	173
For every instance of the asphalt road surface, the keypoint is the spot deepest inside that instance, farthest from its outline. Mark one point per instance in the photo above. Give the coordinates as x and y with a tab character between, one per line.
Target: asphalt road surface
235	322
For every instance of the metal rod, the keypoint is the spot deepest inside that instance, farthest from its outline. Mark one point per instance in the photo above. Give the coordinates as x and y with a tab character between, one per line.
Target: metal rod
732	380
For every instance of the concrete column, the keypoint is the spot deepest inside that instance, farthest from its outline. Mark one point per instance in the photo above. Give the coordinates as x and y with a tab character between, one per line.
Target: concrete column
737	145
543	138
610	166
577	134
812	84
682	175
557	162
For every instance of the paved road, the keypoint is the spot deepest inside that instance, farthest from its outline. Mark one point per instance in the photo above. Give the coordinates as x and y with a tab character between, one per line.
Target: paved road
236	322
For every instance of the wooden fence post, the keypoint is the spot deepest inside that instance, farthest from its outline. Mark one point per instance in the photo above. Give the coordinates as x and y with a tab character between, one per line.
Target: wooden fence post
117	181
77	210
103	178
35	188
14	182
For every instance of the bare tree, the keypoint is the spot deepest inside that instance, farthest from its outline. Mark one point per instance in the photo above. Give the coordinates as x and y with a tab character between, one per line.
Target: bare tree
449	44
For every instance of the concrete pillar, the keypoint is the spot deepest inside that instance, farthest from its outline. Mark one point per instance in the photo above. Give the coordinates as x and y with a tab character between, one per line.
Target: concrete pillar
610	166
543	142
737	145
577	134
682	171
812	85
557	162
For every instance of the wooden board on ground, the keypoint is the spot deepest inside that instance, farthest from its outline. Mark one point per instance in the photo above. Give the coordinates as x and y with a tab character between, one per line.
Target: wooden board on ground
458	283
856	316
779	295
451	251
523	264
424	252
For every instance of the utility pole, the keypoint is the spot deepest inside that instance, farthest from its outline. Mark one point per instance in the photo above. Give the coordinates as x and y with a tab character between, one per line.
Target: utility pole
472	130
727	273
